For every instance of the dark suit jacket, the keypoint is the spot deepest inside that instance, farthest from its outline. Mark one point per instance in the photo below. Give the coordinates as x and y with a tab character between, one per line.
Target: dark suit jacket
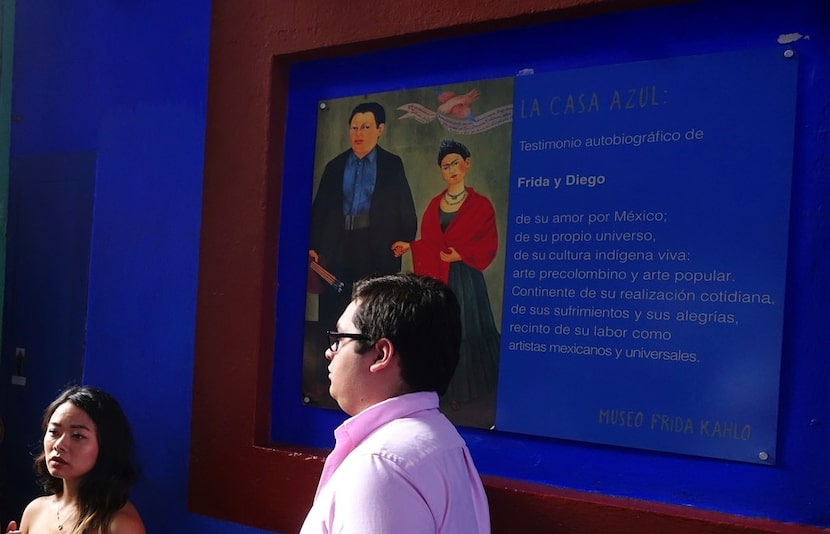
391	215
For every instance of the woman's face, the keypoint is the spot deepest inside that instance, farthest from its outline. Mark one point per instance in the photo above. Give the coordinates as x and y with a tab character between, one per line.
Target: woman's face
454	168
70	442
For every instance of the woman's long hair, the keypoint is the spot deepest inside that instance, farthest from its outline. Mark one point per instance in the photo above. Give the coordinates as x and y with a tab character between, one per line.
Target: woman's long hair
103	490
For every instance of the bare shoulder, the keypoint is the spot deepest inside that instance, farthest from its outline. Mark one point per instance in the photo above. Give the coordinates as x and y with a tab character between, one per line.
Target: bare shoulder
38	505
127	521
36	514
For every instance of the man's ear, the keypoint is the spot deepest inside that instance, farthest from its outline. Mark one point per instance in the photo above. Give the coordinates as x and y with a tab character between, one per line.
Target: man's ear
380	128
385	350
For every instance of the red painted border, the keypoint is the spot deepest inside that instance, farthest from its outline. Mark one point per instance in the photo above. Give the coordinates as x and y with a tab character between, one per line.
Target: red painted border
517	506
235	474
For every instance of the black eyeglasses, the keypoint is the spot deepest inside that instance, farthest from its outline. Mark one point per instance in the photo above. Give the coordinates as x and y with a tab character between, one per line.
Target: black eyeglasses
335	337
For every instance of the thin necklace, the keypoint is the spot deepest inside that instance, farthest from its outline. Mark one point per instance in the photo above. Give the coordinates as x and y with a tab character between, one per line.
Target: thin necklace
462	194
58	514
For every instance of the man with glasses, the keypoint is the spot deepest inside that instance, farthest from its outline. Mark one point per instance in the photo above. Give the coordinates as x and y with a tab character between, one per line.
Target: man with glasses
398	464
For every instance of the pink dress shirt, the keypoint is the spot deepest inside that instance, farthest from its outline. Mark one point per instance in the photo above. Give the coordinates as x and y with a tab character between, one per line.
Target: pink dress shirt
399	467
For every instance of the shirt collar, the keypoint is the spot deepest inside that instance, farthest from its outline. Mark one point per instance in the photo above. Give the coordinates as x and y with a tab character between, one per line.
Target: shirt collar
369	158
364	423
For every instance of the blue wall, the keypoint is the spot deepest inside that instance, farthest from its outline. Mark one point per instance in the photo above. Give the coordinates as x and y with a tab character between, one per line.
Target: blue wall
127	81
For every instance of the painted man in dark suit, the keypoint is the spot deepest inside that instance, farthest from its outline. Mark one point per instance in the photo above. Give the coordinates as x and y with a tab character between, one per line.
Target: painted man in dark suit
363	205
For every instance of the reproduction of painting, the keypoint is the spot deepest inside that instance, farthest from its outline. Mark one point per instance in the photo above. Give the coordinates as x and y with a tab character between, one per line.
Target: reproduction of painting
414	180
607	292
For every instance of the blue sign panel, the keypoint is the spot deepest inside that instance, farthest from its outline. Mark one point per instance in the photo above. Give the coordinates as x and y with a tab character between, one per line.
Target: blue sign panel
646	254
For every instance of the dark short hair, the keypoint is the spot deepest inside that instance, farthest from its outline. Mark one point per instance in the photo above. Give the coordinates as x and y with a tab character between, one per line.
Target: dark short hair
370	107
451	146
103	490
422	318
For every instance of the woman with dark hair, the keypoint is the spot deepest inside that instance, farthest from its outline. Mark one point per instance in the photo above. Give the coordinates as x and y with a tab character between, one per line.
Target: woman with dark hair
458	241
85	468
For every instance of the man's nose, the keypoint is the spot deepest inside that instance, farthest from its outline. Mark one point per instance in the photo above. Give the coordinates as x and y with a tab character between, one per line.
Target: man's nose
329	354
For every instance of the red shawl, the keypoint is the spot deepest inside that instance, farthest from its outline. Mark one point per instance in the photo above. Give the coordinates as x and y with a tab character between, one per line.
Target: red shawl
472	233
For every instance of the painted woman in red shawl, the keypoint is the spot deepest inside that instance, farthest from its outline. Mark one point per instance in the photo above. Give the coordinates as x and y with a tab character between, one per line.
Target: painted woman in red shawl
458	241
